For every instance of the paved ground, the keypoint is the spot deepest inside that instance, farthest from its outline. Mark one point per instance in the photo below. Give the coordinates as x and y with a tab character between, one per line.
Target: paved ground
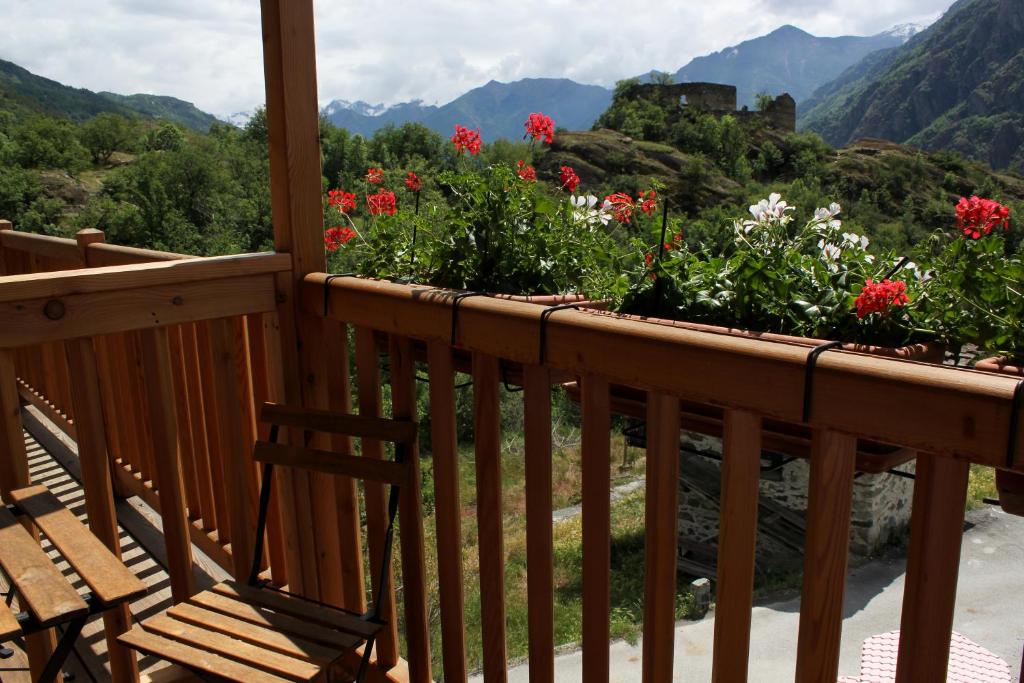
990	611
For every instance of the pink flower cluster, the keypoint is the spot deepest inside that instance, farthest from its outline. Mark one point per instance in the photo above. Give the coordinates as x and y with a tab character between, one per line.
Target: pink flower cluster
878	297
978	216
466	140
540	127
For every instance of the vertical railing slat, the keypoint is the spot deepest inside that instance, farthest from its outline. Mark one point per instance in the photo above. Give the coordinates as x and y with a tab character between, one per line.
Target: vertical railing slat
830	498
660	537
413	550
539	541
737	545
933	562
368	377
447	509
197	421
487	444
214	437
596	527
183	411
167	473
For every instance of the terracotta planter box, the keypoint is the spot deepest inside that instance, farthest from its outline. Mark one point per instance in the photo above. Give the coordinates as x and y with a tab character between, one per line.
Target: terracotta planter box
1009	484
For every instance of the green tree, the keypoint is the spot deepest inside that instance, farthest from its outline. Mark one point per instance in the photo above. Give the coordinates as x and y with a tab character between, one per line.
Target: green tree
105	134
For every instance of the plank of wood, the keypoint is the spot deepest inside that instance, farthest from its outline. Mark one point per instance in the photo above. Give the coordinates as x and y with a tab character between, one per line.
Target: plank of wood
660	538
105	575
359	426
88	315
14	463
59	248
487	444
195	658
830	498
447	510
410	511
49	596
368	379
737	544
298	608
539	548
383	471
933	564
211	419
285	643
163	422
119	255
9	626
276	621
261	658
945	410
596	455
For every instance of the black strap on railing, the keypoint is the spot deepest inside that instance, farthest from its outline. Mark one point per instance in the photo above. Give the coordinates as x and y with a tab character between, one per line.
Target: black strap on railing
812	361
327	289
1015	406
504	377
897	268
544	315
456	300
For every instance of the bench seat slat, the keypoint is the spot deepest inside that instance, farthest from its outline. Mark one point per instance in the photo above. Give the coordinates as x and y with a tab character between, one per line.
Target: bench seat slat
9	627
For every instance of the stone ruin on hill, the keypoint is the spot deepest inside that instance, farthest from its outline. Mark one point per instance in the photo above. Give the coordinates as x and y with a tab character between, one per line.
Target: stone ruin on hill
716	99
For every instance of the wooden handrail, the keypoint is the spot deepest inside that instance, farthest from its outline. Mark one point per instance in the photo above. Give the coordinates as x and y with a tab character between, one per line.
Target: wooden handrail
59	248
943	410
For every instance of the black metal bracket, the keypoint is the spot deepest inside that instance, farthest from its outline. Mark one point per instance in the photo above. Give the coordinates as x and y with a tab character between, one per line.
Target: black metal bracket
1011	439
812	361
544	315
456	300
327	289
897	268
504	377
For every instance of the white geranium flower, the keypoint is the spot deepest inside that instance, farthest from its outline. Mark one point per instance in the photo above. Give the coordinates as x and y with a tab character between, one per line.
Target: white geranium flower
853	239
832	252
584	211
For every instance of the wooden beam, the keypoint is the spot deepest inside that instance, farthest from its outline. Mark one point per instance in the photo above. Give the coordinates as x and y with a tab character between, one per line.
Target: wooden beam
933	564
540	584
397	431
596	455
97	484
829	501
88	315
57	248
383	471
945	410
117	255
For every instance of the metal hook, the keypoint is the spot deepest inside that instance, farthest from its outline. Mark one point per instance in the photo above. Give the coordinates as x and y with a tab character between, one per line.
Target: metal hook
812	361
544	315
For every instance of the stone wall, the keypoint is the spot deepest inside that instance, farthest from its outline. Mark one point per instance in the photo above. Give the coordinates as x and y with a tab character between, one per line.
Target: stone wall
713	97
880	514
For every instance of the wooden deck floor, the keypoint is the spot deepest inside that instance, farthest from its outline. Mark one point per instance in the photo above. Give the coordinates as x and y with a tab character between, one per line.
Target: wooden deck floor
53	463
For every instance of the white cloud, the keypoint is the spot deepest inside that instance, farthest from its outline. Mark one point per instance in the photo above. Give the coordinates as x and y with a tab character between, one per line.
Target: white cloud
209	51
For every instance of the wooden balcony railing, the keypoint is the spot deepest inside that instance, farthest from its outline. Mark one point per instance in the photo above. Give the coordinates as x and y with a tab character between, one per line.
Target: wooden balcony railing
180	352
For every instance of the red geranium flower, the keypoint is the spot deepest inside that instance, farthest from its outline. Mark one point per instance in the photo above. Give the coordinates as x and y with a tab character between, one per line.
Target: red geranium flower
526	172
375	176
540	126
621	206
343	201
648	202
412	182
977	216
877	297
570	180
382	202
466	140
337	236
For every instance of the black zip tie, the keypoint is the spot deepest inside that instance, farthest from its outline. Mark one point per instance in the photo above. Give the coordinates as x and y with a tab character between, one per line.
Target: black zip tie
1011	440
812	361
455	309
544	315
327	288
504	377
897	268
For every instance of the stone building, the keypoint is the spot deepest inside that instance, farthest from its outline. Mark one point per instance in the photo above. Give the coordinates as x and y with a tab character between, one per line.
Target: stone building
717	99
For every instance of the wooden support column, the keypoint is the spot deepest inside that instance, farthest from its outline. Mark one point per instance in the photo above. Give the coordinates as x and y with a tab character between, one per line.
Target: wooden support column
933	563
6	268
99	490
597	551
167	470
661	538
737	545
540	584
830	498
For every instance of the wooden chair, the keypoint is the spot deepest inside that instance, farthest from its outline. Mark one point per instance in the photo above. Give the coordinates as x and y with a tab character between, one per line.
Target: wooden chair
254	632
45	597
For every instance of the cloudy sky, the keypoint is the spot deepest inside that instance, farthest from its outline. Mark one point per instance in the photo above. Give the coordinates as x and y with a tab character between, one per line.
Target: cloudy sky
209	51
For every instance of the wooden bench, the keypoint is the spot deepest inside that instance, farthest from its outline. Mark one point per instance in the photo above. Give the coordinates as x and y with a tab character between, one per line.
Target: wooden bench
45	596
255	633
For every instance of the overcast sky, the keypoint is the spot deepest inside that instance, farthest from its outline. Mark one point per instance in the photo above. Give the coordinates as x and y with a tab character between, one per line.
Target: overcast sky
209	51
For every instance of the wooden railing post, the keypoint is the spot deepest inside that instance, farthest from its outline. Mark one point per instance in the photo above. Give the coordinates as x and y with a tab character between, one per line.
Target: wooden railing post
830	499
540	584
5	267
85	237
94	461
929	593
596	456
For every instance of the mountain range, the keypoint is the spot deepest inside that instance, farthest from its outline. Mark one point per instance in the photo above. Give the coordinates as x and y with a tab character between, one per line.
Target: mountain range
958	85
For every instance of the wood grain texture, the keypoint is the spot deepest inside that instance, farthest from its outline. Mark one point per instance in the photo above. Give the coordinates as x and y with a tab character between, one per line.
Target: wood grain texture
360	426
933	563
737	544
383	471
830	497
168	472
13	458
59	248
447	510
487	446
660	537
596	456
